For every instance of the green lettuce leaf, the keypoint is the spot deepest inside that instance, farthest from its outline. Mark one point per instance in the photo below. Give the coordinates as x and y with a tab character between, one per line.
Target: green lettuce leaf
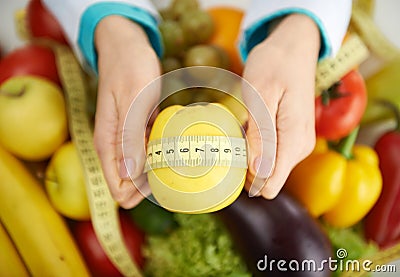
200	246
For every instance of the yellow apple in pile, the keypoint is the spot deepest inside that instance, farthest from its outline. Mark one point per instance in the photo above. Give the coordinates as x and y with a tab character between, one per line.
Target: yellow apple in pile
65	183
33	119
196	188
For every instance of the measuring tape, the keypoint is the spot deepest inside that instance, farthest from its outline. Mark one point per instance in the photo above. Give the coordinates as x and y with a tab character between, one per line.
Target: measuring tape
196	151
104	211
367	6
330	70
364	25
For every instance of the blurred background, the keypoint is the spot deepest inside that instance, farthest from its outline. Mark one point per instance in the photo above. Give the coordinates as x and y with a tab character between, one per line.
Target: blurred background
385	16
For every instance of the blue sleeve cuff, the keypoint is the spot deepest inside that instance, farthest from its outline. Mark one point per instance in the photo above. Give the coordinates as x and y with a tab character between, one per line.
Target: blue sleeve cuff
257	32
92	16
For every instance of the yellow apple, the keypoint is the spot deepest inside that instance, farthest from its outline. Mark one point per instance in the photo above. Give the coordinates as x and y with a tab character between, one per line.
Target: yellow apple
33	119
196	189
65	183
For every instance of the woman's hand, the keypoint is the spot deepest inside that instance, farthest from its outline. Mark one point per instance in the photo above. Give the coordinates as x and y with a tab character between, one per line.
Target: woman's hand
282	69
126	64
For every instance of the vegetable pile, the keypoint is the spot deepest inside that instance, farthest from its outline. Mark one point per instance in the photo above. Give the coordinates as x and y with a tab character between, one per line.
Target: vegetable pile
200	246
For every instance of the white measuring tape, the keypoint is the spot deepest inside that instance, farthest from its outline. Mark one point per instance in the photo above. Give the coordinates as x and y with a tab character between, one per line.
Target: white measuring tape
103	209
196	151
364	25
330	70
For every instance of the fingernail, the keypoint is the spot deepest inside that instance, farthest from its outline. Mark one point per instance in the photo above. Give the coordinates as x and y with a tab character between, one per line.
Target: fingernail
256	187
254	191
261	168
125	168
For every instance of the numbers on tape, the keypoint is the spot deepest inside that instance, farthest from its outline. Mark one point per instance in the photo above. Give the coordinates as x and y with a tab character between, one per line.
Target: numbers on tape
330	70
104	211
190	151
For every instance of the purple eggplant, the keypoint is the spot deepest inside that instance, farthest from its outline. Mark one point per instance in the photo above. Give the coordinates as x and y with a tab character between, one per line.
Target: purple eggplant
278	237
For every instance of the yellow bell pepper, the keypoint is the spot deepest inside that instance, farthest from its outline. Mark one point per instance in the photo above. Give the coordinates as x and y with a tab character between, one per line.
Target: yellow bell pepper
340	187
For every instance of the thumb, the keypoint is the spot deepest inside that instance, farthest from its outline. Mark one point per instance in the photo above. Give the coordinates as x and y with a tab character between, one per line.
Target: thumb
134	130
261	139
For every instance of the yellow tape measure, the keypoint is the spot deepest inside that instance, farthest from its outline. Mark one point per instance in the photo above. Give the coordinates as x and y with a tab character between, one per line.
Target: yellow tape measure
329	71
364	25
104	211
196	151
367	6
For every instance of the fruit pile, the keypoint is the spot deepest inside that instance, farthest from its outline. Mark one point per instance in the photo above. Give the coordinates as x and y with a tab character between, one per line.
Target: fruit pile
341	196
198	37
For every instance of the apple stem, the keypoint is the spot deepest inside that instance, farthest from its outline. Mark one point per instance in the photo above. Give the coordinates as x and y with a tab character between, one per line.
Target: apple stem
12	94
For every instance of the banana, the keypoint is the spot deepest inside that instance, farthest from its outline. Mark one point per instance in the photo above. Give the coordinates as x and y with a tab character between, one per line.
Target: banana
38	231
11	264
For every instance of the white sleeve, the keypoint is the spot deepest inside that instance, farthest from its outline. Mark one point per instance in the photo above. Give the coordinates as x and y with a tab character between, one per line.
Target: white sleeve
69	12
79	19
331	16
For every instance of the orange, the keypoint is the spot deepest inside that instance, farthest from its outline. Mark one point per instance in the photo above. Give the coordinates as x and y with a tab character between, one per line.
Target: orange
226	30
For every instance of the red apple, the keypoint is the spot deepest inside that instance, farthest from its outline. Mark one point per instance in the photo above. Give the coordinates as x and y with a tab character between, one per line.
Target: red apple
94	255
30	60
42	24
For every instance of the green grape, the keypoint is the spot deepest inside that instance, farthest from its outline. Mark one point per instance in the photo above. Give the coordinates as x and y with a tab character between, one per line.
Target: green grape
224	57
197	26
170	63
202	55
166	14
173	37
180	7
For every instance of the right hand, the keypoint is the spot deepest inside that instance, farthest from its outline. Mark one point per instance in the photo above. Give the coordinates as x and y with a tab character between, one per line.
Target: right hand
126	64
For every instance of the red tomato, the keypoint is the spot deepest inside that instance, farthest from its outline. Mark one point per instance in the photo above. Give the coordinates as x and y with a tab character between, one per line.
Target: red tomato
94	255
30	60
339	109
42	24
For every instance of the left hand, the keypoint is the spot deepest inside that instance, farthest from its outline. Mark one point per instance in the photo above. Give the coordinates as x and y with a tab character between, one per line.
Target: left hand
282	69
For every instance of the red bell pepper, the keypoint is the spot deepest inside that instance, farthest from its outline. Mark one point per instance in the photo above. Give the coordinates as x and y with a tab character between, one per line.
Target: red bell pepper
382	224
